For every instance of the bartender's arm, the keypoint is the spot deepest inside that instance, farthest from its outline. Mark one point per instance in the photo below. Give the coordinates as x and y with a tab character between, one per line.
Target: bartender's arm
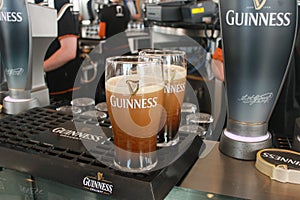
66	53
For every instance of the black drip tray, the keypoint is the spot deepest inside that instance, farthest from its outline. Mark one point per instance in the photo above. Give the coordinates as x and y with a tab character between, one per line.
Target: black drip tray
28	143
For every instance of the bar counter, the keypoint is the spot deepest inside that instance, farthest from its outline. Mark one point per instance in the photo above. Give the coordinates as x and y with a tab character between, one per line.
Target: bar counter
213	176
217	173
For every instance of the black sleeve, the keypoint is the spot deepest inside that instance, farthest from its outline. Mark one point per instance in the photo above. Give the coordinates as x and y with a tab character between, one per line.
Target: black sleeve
127	13
106	14
66	24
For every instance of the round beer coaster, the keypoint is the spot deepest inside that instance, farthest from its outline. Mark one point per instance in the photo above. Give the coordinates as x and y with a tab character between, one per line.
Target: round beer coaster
279	164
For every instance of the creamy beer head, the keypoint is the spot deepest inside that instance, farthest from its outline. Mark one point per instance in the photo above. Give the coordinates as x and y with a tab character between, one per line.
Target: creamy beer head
174	72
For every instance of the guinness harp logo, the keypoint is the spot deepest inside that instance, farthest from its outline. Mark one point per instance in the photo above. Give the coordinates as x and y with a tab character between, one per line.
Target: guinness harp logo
99	176
258	4
133	86
1	4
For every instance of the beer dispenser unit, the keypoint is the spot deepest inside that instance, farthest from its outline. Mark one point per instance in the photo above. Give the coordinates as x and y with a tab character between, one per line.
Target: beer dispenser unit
258	39
25	39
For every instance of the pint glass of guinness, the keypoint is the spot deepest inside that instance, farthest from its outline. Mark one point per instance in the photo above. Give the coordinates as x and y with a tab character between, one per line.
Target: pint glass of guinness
175	70
258	39
134	95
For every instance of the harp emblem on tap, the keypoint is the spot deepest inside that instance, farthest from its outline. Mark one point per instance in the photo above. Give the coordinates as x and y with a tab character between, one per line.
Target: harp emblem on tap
258	4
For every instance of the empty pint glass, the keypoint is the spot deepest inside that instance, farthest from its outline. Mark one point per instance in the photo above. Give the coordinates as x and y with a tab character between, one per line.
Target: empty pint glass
134	95
175	70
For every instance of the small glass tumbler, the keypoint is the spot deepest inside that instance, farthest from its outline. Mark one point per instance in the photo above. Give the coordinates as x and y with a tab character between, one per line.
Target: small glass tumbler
186	109
202	119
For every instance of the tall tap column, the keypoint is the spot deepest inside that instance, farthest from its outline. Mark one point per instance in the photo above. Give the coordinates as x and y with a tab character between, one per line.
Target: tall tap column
258	38
24	41
15	39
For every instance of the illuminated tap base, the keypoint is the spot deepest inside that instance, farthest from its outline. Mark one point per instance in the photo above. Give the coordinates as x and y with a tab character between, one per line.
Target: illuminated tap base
243	147
15	106
20	101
